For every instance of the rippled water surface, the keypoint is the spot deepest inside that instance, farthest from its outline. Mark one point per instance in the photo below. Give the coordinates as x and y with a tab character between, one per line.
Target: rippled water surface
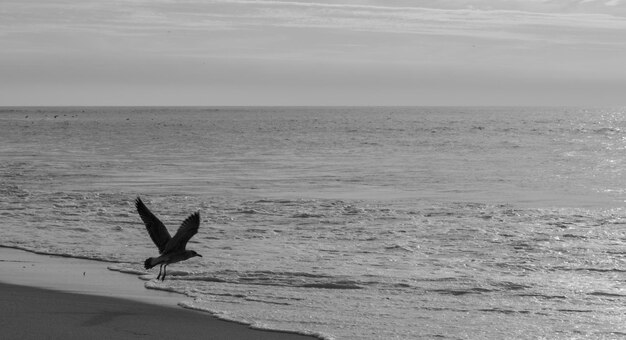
347	223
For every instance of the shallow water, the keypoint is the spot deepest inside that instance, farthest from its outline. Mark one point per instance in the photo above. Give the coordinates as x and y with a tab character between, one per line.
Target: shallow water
348	223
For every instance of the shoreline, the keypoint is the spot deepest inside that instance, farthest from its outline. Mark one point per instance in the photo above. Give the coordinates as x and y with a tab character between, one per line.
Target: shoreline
49	296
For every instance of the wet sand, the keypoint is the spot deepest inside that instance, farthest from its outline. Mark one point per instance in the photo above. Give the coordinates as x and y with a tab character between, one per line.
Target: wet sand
36	308
34	313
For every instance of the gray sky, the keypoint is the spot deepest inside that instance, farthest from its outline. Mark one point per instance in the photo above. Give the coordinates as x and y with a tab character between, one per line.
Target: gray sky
344	52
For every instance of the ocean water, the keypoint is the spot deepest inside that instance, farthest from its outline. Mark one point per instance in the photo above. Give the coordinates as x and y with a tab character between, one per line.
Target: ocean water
345	223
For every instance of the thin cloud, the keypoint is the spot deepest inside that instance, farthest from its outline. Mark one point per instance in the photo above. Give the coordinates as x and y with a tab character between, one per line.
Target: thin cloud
229	14
493	24
144	25
500	16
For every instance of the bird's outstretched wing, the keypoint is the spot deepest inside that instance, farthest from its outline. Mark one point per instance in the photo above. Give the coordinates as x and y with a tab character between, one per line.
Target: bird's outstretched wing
184	233
158	233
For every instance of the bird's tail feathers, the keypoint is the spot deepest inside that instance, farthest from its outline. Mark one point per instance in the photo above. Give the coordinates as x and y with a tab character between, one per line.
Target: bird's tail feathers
149	263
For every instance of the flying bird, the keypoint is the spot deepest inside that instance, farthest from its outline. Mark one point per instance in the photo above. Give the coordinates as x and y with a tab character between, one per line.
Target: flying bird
171	249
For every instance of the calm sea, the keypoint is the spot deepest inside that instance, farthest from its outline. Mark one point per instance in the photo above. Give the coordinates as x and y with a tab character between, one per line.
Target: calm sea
346	223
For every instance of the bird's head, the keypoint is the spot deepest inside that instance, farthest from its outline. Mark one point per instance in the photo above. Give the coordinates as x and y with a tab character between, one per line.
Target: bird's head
194	254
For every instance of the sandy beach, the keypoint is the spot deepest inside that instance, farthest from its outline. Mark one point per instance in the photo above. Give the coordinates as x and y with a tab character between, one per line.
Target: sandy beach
33	313
83	310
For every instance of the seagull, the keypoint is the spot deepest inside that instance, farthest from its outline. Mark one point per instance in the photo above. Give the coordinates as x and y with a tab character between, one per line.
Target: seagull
172	249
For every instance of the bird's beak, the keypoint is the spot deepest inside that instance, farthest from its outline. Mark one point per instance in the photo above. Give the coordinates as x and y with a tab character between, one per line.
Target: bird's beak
198	255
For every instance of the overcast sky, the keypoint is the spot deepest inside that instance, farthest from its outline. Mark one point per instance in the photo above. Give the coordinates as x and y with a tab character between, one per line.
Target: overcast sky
343	52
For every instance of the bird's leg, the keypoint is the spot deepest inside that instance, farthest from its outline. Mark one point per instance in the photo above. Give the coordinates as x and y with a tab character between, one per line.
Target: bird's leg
160	268
164	269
